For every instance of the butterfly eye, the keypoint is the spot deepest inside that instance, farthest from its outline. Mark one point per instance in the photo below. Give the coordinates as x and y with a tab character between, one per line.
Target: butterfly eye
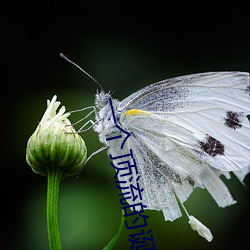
102	99
105	99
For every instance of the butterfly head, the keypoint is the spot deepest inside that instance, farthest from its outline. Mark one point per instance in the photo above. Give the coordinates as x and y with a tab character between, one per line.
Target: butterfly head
101	99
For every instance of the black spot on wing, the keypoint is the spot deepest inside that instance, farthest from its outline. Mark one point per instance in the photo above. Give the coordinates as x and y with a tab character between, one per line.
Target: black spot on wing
212	146
233	119
190	181
248	89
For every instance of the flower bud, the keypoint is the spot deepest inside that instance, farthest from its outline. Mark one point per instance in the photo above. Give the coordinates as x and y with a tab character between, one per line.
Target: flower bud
55	144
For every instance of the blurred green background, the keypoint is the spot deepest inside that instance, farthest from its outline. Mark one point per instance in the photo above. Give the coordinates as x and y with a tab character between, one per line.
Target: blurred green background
125	46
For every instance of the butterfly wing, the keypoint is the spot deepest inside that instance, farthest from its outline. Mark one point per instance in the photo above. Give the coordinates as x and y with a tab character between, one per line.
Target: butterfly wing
184	132
211	106
175	93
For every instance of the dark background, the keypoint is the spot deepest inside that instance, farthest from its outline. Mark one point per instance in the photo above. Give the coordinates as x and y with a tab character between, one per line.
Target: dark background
125	46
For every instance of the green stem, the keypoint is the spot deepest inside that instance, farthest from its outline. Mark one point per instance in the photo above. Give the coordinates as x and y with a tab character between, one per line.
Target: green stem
54	177
112	242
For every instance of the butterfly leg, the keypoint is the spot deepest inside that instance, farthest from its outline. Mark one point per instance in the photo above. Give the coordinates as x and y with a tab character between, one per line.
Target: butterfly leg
86	116
83	127
96	152
91	155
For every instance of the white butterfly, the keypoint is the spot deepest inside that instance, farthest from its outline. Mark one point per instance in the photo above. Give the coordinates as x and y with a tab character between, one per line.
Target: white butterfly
184	132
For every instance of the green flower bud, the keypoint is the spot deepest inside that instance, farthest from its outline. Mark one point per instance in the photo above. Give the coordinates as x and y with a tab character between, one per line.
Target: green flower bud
55	144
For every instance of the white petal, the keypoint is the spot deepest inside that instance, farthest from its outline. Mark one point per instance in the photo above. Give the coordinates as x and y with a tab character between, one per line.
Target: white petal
51	114
200	228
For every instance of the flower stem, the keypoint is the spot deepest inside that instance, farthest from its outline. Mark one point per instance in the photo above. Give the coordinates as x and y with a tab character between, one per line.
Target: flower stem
53	185
112	242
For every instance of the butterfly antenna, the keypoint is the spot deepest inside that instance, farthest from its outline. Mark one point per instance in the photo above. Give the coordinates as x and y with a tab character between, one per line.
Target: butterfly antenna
86	73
